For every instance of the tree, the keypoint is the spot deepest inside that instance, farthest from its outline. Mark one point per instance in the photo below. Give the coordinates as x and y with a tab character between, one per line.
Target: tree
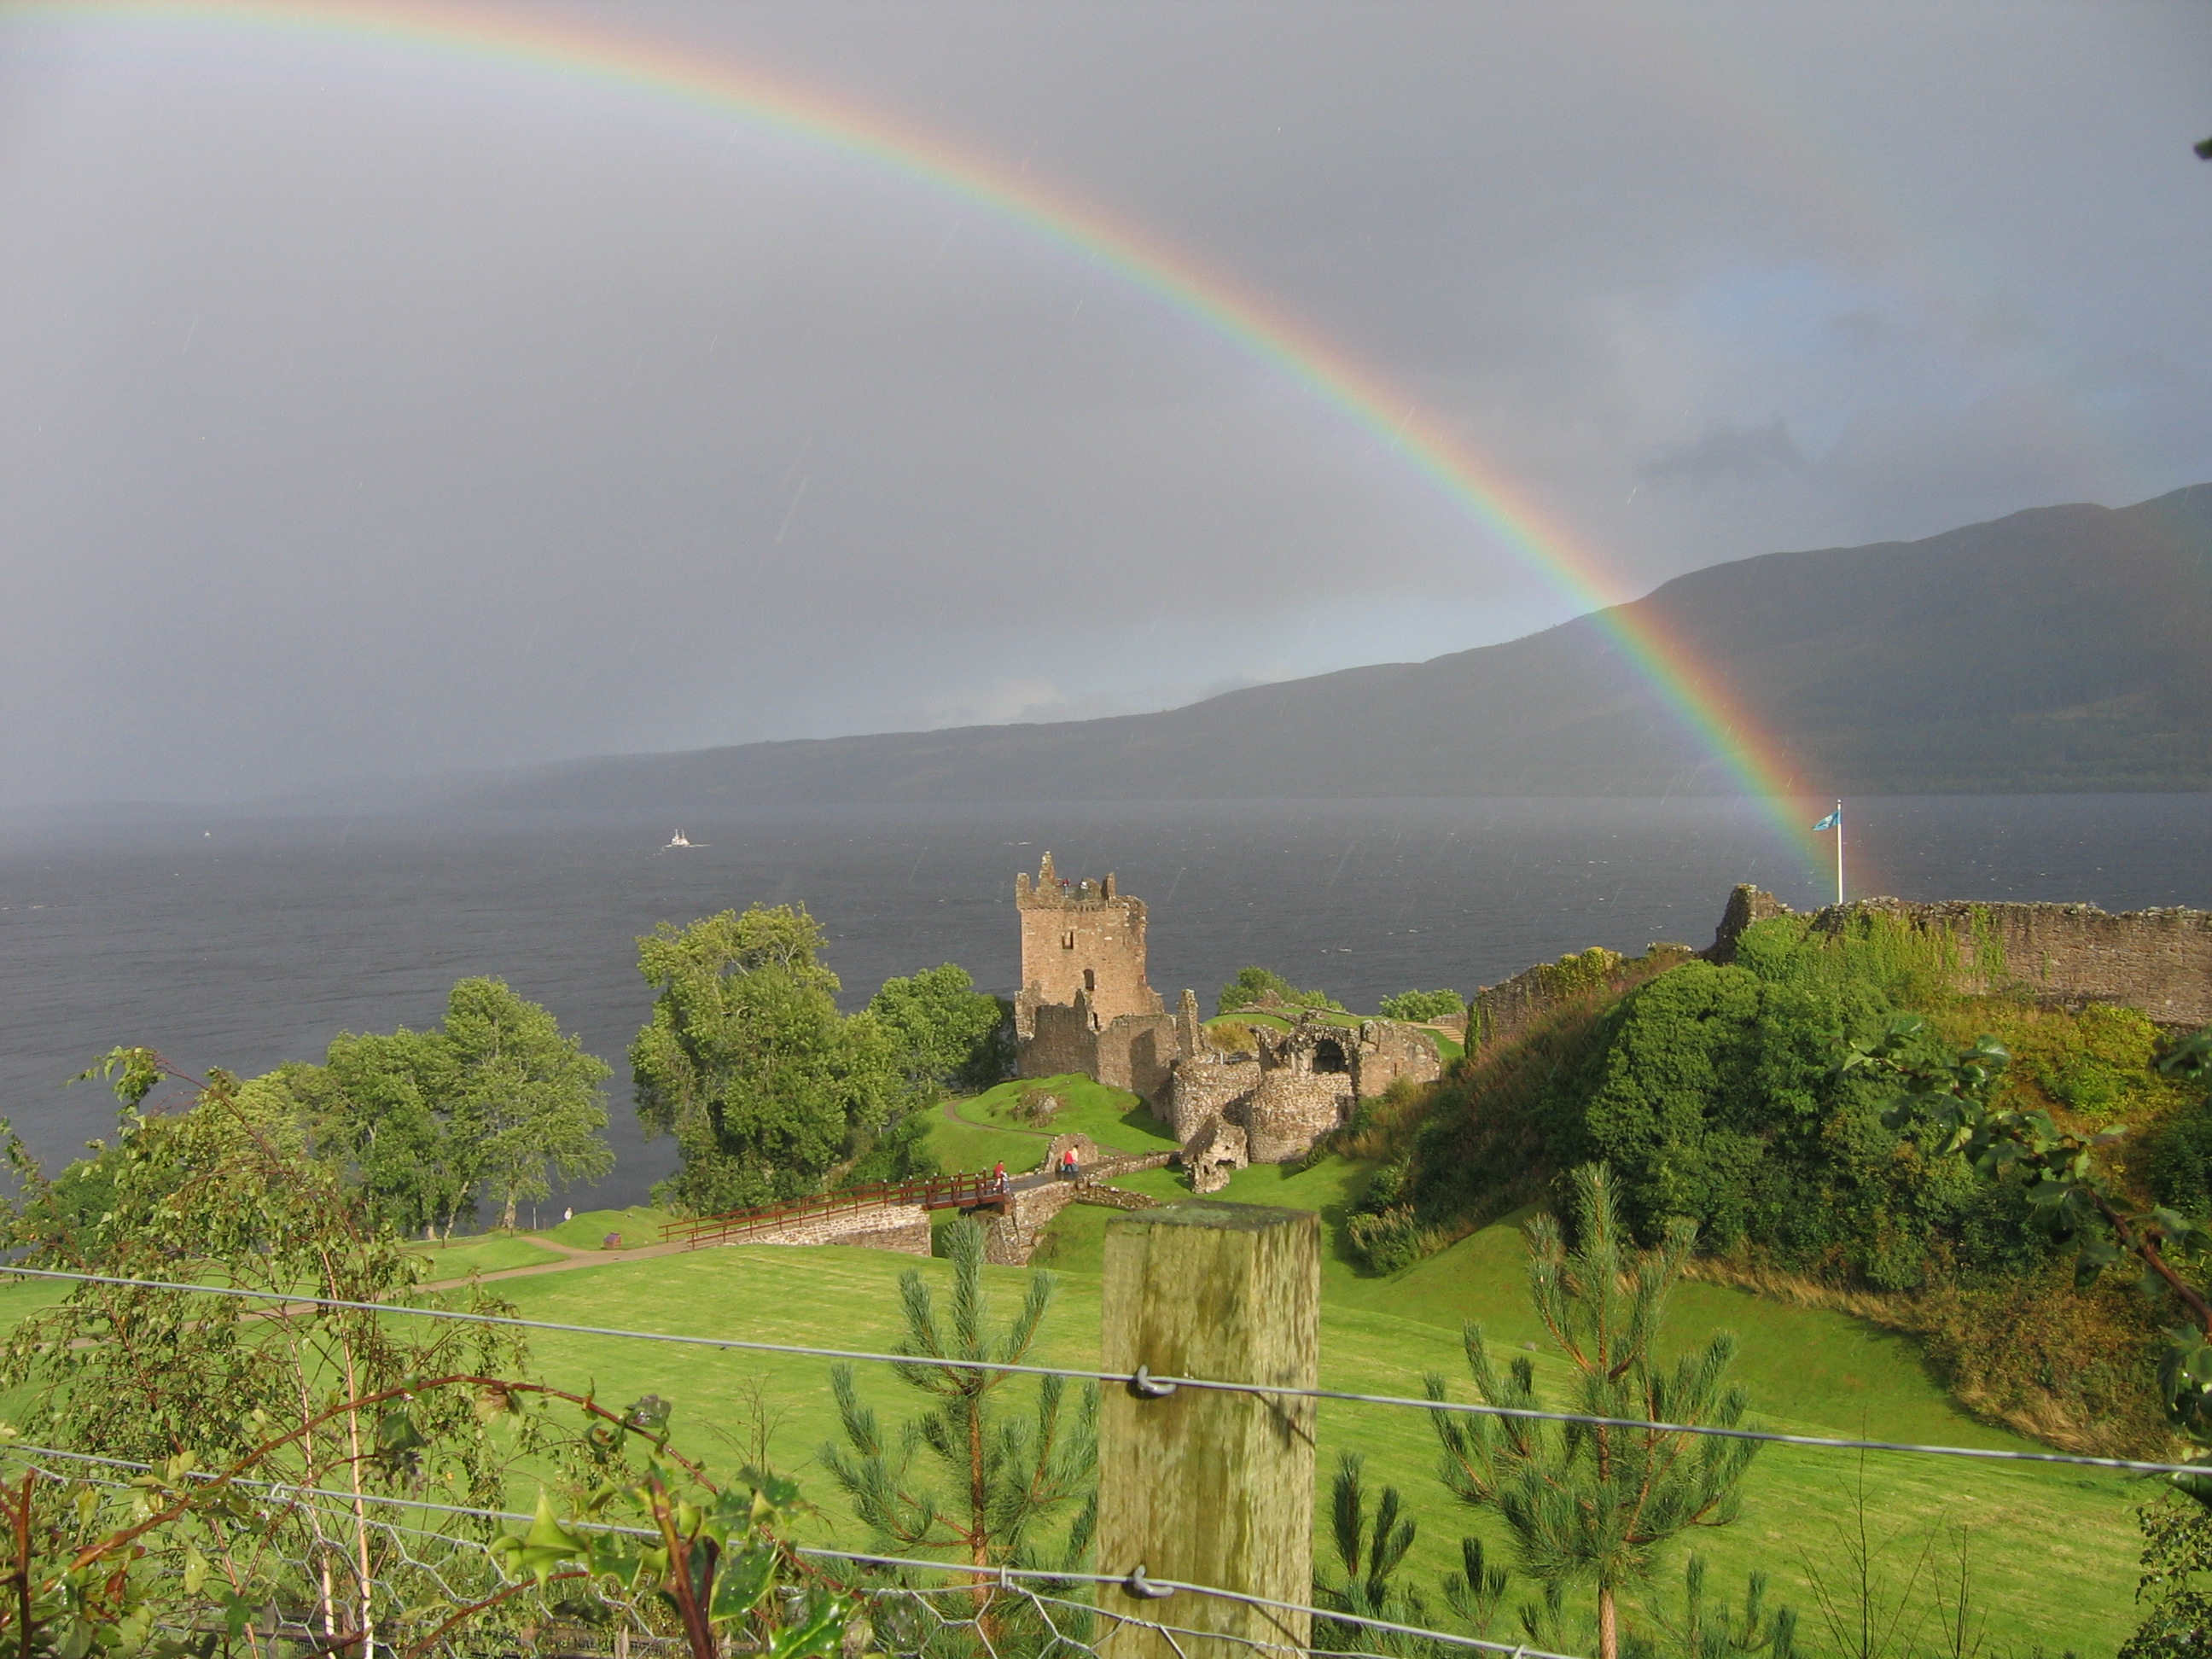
949	1034
1368	1558
1595	1503
528	1098
382	1105
970	1475
1421	1007
747	1062
2177	1555
496	1098
307	1396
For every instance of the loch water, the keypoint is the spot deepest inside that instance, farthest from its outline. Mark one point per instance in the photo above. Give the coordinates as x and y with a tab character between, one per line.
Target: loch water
242	941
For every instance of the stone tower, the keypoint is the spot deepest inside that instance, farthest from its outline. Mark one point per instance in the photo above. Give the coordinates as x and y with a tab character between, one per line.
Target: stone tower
1082	940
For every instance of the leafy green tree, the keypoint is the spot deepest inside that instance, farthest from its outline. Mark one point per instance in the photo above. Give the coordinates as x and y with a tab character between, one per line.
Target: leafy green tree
1425	1005
307	1396
1595	1503
1255	984
382	1105
973	1476
529	1099
747	1062
497	1098
949	1034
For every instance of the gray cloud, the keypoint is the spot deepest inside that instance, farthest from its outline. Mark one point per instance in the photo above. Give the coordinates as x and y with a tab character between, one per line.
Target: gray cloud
1727	453
368	412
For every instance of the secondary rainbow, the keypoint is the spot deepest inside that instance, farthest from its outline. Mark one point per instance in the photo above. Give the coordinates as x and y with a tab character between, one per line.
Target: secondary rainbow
565	52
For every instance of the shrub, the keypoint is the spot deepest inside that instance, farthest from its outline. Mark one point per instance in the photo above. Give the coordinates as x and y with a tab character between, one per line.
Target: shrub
1425	1005
1233	1036
1253	987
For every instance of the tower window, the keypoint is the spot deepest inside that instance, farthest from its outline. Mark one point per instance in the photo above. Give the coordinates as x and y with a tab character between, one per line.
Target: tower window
1067	940
1089	979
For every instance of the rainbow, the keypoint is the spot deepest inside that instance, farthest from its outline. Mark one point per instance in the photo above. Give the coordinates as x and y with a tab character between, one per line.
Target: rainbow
564	52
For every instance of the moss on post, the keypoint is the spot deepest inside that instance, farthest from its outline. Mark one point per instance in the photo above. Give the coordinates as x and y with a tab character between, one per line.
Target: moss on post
1206	1486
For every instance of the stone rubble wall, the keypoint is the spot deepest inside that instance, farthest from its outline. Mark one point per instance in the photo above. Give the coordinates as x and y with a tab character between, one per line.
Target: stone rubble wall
903	1227
1387	1051
1288	1111
1206	1086
2158	961
1504	1013
1136	1052
1112	1198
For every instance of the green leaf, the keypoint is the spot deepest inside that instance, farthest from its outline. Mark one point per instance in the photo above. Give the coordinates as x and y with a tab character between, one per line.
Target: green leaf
741	1579
815	1637
544	1549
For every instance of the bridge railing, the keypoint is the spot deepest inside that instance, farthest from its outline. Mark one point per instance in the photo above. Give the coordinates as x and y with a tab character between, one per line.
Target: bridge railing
931	1193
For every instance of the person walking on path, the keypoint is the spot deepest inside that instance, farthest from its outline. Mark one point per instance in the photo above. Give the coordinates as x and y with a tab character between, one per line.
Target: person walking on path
1068	1165
999	1178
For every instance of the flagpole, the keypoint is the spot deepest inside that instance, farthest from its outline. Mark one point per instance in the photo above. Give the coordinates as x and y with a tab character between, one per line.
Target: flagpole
1839	853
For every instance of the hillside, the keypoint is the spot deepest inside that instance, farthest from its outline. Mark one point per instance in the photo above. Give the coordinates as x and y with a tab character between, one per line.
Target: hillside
2061	649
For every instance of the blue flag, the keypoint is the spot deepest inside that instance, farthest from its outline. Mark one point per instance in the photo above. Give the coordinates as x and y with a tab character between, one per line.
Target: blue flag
1834	821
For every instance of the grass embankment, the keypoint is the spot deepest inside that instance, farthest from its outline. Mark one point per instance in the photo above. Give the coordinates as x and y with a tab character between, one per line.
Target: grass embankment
978	1132
2054	1550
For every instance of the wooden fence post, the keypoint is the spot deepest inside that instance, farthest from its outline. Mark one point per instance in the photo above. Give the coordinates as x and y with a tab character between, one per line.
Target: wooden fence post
1207	1486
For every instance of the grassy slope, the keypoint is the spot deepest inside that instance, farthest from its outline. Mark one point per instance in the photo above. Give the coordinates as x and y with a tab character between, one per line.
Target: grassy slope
976	1133
486	1254
2057	1560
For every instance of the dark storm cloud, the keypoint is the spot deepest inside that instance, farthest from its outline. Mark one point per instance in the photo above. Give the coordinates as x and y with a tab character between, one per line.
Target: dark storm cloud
367	413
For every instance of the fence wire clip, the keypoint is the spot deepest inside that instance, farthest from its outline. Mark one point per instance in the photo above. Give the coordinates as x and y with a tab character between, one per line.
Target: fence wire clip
1143	1588
1145	1386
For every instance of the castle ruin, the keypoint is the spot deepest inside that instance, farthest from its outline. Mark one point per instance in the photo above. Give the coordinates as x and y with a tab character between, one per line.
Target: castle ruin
1086	1005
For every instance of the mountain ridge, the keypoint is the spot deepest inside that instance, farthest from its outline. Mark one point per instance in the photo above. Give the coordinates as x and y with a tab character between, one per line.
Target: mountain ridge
2056	649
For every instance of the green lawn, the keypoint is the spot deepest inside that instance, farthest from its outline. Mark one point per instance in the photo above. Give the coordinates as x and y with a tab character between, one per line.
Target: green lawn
976	1133
637	1226
2057	1558
484	1253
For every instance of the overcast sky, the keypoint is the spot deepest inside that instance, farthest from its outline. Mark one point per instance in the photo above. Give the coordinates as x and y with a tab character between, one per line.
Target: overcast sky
370	409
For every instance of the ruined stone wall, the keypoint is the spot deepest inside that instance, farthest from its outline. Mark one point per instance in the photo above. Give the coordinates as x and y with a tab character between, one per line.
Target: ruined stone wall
2064	954
1086	936
1386	1052
1138	1052
1289	1110
1010	1239
1206	1086
1061	1038
1504	1013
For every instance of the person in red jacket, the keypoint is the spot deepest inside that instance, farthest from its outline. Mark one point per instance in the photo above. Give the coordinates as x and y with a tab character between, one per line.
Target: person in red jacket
999	1177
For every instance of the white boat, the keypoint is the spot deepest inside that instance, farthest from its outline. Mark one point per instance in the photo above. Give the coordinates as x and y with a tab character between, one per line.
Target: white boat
677	840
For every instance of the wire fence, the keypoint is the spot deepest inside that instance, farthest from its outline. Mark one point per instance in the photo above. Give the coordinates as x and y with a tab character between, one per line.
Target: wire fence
1144	1381
422	1571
